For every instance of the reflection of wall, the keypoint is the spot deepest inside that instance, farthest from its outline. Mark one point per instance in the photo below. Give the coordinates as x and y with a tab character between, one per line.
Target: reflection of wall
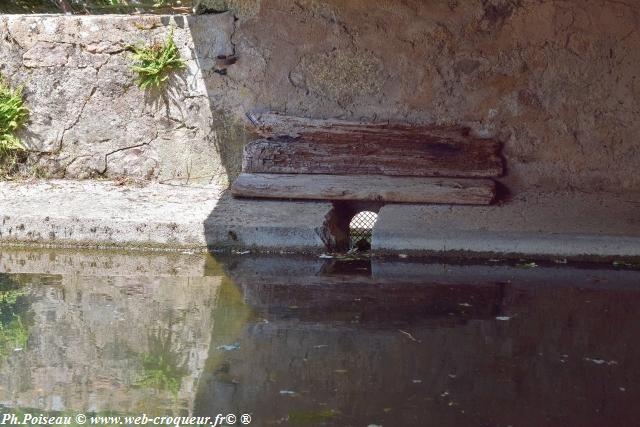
103	263
90	335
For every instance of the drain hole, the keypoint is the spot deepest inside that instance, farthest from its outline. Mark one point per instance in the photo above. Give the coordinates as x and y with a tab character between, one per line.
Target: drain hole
349	226
361	230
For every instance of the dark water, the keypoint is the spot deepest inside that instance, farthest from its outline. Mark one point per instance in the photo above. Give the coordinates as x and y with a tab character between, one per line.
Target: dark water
306	342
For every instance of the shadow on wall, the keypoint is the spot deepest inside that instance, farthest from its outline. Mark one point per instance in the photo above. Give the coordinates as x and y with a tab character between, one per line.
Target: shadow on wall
240	224
234	223
214	52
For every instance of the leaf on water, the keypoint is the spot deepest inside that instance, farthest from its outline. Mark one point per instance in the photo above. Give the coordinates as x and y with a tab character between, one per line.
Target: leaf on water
601	361
527	265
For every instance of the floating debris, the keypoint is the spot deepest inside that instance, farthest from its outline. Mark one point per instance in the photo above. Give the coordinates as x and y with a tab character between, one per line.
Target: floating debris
325	256
229	347
625	264
417	381
411	337
288	392
464	304
504	318
320	346
403	255
241	252
601	361
527	265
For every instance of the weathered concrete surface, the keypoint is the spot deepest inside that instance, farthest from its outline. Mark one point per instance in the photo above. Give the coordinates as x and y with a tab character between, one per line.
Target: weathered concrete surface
98	213
559	224
104	214
557	81
276	225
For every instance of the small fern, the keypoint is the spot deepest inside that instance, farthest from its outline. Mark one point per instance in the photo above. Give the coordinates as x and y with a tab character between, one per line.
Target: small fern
13	114
154	63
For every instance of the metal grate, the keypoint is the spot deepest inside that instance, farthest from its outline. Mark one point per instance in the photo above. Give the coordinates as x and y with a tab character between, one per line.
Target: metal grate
361	228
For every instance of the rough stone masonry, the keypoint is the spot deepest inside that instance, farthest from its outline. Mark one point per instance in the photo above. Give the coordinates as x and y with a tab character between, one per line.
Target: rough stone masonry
88	117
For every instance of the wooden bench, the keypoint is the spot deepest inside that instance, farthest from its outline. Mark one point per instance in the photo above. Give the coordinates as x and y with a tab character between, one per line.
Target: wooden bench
338	160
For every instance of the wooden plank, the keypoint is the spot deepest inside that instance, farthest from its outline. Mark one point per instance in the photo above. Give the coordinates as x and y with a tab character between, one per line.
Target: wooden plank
271	125
365	188
301	145
384	154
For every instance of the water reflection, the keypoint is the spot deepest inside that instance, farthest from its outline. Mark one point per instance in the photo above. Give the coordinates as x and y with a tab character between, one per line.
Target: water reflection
299	341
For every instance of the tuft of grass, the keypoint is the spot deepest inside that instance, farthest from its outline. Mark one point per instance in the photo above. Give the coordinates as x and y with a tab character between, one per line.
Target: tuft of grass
155	63
13	115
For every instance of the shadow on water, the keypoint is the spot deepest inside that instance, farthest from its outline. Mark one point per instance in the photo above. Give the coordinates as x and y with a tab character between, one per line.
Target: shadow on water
305	341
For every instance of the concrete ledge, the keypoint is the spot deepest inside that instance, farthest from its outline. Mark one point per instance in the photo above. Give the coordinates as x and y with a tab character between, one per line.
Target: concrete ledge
264	224
103	214
561	224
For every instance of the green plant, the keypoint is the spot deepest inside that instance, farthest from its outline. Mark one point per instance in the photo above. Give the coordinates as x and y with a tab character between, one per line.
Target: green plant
163	366
154	63
14	319
96	6
13	114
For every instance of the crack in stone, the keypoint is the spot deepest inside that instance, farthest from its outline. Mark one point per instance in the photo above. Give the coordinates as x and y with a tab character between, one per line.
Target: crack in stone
106	156
233	34
77	119
12	38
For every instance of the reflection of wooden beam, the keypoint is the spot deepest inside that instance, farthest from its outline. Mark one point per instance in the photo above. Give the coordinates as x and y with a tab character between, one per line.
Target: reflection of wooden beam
366	188
298	145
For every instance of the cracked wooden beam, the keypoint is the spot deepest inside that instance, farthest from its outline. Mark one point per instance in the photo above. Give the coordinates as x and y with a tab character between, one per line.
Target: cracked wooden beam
308	146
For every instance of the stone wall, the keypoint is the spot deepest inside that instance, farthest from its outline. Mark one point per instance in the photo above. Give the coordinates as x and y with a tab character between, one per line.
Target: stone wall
557	81
88	116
